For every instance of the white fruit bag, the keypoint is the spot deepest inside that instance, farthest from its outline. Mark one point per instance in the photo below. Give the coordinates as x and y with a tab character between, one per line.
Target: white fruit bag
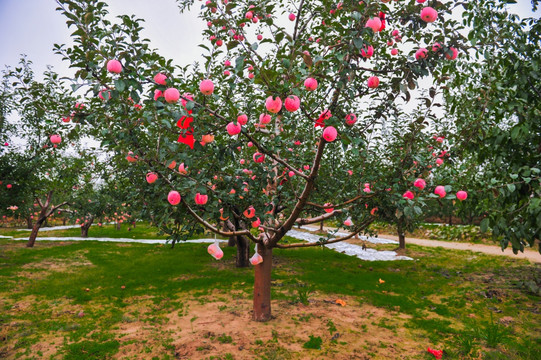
215	251
256	258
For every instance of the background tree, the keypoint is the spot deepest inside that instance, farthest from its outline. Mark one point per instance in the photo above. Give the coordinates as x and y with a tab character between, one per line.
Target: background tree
500	132
45	172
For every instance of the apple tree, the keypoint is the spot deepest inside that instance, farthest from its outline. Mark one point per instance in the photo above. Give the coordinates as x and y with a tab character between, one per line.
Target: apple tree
496	111
289	95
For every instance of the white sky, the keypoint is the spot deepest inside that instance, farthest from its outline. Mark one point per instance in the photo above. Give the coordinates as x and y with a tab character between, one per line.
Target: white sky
31	27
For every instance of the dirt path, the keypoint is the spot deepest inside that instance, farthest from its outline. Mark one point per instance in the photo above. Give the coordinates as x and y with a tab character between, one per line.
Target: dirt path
529	254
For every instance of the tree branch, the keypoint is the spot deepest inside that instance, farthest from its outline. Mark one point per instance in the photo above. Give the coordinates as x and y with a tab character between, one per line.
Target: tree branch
216	230
360	228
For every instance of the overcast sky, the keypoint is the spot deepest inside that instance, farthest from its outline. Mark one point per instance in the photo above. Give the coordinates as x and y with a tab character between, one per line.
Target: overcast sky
31	27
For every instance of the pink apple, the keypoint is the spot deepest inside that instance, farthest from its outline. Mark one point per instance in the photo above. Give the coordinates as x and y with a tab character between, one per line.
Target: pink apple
151	177
408	195
292	17
219	42
291	173
419	183
374	24
440	190
130	157
436	47
453	56
171	95
273	105
249	15
395	33
439	139
461	195
56	139
242	119
265	119
207	139
428	14
157	94
373	82
227	73
206	87
351	119
114	66
439	161
328	208
250	144
259	157
256	223
201	199
310	84
394	51
348	222
259	37
185	96
421	53
9	186
233	129
227	63
173	197
367	51
160	78
182	169
292	103
329	134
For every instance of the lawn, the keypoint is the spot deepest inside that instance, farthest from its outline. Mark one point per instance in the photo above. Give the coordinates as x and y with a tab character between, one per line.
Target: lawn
93	300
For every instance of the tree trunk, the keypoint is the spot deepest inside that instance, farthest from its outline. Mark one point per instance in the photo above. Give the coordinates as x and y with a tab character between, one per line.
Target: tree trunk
243	252
262	285
118	226
64	221
85	227
34	233
451	220
28	222
401	240
321	226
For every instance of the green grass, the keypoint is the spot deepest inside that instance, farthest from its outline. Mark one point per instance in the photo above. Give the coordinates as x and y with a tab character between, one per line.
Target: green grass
437	294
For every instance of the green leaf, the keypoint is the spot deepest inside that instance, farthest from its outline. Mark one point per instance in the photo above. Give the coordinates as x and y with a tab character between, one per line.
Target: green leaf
120	85
511	187
484	224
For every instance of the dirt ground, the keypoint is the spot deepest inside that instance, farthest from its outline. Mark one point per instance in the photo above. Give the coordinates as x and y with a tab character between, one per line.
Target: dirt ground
224	330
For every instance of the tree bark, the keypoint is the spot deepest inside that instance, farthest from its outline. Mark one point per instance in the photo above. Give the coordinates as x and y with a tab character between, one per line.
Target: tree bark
401	240
118	226
34	233
86	226
262	285
28	222
321	226
64	221
243	251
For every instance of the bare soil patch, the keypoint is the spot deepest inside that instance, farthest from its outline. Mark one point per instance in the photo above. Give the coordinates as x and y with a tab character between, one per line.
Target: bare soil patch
203	329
